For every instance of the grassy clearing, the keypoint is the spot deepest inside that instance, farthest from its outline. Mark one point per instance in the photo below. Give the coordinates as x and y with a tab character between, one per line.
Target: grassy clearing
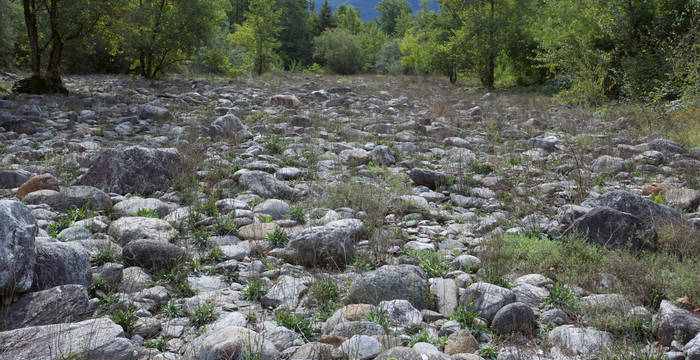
645	278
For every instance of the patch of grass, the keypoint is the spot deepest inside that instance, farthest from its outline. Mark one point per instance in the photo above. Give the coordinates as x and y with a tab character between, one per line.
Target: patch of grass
479	168
105	256
175	279
297	322
325	293
231	276
171	310
200	239
224	226
671	272
362	264
559	297
146	213
488	352
265	219
274	145
468	319
125	318
297	215
278	238
378	317
254	291
432	262
423	336
203	315
160	343
64	221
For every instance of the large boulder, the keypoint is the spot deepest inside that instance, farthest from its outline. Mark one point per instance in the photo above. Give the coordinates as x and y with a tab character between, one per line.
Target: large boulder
230	125
636	205
59	263
427	177
675	321
514	317
152	112
266	185
609	227
133	169
127	229
390	282
321	246
96	339
56	305
72	197
149	253
10	179
577	340
487	299
399	352
18	229
133	205
286	292
230	342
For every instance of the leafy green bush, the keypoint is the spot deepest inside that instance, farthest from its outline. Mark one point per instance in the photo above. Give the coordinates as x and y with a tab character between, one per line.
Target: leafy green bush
202	315
254	291
224	226
160	343
468	319
325	293
379	317
278	238
423	336
146	213
105	256
389	58
339	50
297	322
297	214
125	318
172	310
559	297
432	262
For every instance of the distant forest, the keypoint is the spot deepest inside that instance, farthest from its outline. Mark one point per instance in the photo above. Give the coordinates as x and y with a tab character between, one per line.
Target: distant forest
583	50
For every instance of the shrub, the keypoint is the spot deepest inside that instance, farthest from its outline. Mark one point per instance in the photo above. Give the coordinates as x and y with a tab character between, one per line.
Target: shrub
432	262
389	58
146	213
379	317
160	343
171	310
202	315
278	238
339	50
254	291
297	214
297	322
559	297
325	293
224	226
468	319
105	256
125	318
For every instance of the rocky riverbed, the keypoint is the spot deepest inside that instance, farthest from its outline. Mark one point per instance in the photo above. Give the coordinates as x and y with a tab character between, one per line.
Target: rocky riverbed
320	217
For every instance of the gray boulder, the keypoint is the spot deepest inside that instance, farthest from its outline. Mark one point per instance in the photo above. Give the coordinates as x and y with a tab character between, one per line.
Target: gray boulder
514	317
399	352
59	263
636	205
426	177
230	343
266	185
133	169
382	155
17	255
152	112
10	179
285	293
274	207
580	340
72	197
230	125
401	313
132	206
361	347
95	339
692	348
616	229
676	321
56	305
149	253
668	146
390	282
487	299
321	246
127	229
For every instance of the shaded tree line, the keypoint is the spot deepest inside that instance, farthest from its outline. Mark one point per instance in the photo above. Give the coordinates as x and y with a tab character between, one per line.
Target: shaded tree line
586	50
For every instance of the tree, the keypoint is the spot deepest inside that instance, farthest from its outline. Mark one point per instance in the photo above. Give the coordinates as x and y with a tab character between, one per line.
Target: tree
237	13
349	18
50	25
259	33
339	50
296	38
161	33
389	12
324	19
9	29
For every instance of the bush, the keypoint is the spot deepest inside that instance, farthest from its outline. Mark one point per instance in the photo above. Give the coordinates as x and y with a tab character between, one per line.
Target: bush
297	322
254	291
432	262
389	58
468	319
146	213
278	238
202	315
339	50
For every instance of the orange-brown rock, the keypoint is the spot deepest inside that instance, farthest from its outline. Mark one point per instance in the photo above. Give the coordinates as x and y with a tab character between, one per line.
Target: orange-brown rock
334	340
36	183
461	341
655	188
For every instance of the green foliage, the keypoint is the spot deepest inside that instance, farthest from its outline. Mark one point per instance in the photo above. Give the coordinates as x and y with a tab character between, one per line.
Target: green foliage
423	336
362	264
278	238
146	213
658	198
379	317
224	226
295	40
372	39
326	293
200	238
481	169
175	279
487	352
300	323
339	50
231	276
160	343
559	297
254	291
148	30
297	215
467	319
432	262
64	221
389	58
203	315
349	18
259	35
389	13
124	317
172	310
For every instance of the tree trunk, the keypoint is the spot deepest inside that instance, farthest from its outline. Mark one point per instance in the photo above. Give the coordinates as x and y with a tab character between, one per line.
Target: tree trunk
492	50
32	33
